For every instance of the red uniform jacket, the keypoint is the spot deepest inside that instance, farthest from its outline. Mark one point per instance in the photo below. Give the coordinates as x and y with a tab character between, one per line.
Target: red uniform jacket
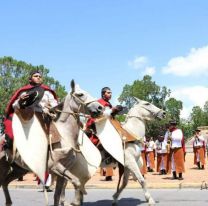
90	125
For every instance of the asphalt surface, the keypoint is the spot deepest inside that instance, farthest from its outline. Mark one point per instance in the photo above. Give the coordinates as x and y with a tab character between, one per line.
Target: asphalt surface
103	197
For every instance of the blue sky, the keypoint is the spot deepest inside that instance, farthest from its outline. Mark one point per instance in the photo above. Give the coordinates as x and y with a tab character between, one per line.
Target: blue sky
113	42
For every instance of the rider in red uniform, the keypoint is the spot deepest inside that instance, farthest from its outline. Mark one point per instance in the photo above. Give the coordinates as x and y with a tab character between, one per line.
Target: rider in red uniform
90	125
21	96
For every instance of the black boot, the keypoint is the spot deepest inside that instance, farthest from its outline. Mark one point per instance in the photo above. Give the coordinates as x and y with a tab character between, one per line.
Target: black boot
148	169
174	175
108	178
20	178
164	172
202	167
180	176
198	164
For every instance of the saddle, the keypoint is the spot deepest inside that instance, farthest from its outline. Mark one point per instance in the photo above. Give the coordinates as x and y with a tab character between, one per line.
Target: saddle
47	124
125	135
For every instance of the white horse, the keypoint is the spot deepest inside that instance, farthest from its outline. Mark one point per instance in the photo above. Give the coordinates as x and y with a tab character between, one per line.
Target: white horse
135	121
141	112
61	158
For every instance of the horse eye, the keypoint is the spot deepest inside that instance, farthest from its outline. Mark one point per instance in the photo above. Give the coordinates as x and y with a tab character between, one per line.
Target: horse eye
147	103
80	95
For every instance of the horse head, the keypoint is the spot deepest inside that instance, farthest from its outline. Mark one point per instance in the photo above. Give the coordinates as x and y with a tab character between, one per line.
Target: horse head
146	110
79	101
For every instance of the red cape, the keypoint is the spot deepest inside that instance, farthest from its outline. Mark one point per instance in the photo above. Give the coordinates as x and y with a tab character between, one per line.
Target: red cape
9	108
104	103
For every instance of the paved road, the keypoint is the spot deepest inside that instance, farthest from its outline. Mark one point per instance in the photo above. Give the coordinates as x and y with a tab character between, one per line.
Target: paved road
102	197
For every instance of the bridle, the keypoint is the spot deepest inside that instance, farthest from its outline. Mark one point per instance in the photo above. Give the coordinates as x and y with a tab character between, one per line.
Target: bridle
82	105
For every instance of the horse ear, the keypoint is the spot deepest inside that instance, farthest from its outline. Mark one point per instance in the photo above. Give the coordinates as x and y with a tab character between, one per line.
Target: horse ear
72	85
137	99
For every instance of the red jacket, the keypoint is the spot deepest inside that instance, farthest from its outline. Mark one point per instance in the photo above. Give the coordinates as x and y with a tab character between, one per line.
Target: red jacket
104	103
90	125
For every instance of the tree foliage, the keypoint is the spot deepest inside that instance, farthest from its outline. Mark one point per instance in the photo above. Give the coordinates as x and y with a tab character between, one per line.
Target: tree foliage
198	117
173	108
146	89
14	74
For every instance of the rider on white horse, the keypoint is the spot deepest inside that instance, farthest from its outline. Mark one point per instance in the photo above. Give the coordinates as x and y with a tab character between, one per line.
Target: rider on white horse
35	94
106	95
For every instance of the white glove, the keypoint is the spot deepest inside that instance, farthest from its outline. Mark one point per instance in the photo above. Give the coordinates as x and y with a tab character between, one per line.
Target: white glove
45	110
107	112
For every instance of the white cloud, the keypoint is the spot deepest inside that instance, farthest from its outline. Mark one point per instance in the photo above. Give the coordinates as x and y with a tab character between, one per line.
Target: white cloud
149	71
138	62
195	63
190	96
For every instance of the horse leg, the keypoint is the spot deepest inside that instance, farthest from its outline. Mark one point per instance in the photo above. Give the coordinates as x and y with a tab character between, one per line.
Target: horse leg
133	167
123	185
4	165
59	195
58	190
7	195
5	168
78	199
16	173
62	198
62	171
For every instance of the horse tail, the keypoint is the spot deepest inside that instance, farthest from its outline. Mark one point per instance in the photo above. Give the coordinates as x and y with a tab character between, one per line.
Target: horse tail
121	172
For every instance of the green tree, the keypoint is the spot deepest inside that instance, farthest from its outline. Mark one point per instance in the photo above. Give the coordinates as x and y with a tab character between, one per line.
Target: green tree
173	108
187	128
197	117
144	89
14	74
205	109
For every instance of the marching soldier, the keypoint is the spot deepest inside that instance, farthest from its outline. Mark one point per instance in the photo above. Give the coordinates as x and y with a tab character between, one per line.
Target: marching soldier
162	156
177	150
199	149
143	169
150	154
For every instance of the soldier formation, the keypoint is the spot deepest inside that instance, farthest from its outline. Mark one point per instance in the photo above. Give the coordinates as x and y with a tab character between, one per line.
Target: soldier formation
168	152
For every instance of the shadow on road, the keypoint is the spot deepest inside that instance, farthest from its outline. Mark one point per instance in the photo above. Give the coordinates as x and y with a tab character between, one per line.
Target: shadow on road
121	202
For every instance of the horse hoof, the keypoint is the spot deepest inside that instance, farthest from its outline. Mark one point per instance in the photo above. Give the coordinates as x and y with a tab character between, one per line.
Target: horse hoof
114	203
64	203
151	202
75	204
